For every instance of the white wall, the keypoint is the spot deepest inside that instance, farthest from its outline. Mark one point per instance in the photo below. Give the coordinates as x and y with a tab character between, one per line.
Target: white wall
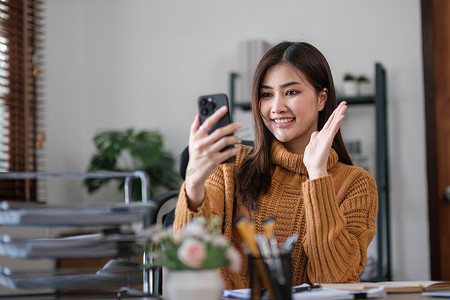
115	64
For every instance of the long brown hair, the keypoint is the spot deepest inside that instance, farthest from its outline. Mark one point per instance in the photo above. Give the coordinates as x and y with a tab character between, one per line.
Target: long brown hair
253	176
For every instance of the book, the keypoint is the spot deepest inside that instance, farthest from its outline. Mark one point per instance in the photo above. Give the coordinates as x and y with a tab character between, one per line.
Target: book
394	286
440	294
305	291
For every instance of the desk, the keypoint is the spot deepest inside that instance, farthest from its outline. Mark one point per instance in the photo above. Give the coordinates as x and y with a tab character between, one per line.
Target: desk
410	296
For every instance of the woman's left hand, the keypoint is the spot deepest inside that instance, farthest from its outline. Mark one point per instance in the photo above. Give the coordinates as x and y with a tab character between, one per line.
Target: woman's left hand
316	153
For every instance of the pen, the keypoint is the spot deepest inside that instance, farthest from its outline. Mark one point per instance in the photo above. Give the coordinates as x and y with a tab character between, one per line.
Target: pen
277	261
246	232
246	229
264	248
289	243
268	226
269	260
299	289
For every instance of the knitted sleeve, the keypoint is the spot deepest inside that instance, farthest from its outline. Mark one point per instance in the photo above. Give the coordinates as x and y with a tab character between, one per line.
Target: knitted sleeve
339	231
213	204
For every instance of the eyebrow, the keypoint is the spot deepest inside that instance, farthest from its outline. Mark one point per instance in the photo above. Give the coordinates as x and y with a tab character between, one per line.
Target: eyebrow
284	85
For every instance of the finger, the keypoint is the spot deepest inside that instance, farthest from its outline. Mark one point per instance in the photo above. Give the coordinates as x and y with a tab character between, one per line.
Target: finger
224	142
195	125
209	123
338	120
337	111
210	149
224	131
342	108
218	134
313	136
330	119
220	157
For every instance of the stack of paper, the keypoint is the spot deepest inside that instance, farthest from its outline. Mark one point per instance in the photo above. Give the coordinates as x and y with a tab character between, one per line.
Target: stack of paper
114	273
80	246
73	216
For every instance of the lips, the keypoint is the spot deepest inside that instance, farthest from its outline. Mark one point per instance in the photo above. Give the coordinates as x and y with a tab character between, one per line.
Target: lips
283	122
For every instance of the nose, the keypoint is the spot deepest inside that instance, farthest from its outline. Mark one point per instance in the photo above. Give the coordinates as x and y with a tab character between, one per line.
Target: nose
278	104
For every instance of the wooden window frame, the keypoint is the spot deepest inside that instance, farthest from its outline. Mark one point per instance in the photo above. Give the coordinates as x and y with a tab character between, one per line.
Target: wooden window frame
20	81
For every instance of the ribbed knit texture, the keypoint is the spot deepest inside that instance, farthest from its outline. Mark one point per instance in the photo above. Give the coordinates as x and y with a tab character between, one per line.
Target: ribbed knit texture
334	215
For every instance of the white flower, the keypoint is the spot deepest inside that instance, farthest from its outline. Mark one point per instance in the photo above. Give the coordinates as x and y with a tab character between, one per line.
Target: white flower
235	259
195	229
199	219
150	231
220	241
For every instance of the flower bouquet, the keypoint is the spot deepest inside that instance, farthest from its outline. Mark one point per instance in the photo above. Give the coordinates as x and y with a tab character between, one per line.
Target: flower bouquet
193	258
200	246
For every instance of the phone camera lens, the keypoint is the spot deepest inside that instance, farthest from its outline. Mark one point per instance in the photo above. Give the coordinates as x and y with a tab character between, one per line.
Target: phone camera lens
211	105
204	112
203	102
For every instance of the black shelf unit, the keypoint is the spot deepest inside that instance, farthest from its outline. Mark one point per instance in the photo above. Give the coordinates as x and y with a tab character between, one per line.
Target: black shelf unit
379	100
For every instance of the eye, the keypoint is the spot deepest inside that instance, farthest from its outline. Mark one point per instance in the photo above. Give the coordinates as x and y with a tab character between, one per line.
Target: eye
266	94
291	92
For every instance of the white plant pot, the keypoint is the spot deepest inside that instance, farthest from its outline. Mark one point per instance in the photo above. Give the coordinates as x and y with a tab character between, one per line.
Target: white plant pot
365	88
194	285
350	88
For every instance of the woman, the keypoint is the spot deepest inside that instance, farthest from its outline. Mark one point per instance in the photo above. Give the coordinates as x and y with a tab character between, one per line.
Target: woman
298	172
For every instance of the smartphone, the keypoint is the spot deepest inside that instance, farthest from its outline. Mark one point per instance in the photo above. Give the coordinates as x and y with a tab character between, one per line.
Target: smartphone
207	105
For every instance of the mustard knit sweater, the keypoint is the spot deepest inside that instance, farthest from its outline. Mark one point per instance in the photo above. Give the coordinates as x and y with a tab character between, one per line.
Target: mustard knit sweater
334	215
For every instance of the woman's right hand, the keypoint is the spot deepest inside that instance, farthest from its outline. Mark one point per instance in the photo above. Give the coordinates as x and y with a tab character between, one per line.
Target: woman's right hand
205	153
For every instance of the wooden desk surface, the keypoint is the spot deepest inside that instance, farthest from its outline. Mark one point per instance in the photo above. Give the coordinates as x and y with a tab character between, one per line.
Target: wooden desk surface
409	296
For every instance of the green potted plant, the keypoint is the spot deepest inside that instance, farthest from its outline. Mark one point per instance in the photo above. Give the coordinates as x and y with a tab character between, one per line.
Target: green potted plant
364	87
350	86
128	150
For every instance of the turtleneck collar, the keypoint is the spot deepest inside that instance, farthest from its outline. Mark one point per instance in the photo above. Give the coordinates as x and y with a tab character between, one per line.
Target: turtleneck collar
294	162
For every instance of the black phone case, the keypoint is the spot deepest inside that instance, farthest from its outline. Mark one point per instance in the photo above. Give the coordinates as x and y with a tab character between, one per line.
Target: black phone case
207	105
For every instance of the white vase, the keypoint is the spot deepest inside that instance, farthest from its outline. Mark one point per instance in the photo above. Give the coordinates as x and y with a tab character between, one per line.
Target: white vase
194	285
350	88
365	88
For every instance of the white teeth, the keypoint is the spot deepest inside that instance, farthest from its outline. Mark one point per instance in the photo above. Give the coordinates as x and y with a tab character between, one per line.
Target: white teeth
283	121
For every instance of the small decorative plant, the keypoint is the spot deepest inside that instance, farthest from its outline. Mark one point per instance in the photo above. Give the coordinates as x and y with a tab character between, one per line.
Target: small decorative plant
200	246
128	150
349	77
362	79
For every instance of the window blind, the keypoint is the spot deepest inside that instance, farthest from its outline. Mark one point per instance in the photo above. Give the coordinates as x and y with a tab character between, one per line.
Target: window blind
21	116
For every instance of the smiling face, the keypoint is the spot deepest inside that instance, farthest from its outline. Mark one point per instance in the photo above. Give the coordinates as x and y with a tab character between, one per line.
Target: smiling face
289	106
